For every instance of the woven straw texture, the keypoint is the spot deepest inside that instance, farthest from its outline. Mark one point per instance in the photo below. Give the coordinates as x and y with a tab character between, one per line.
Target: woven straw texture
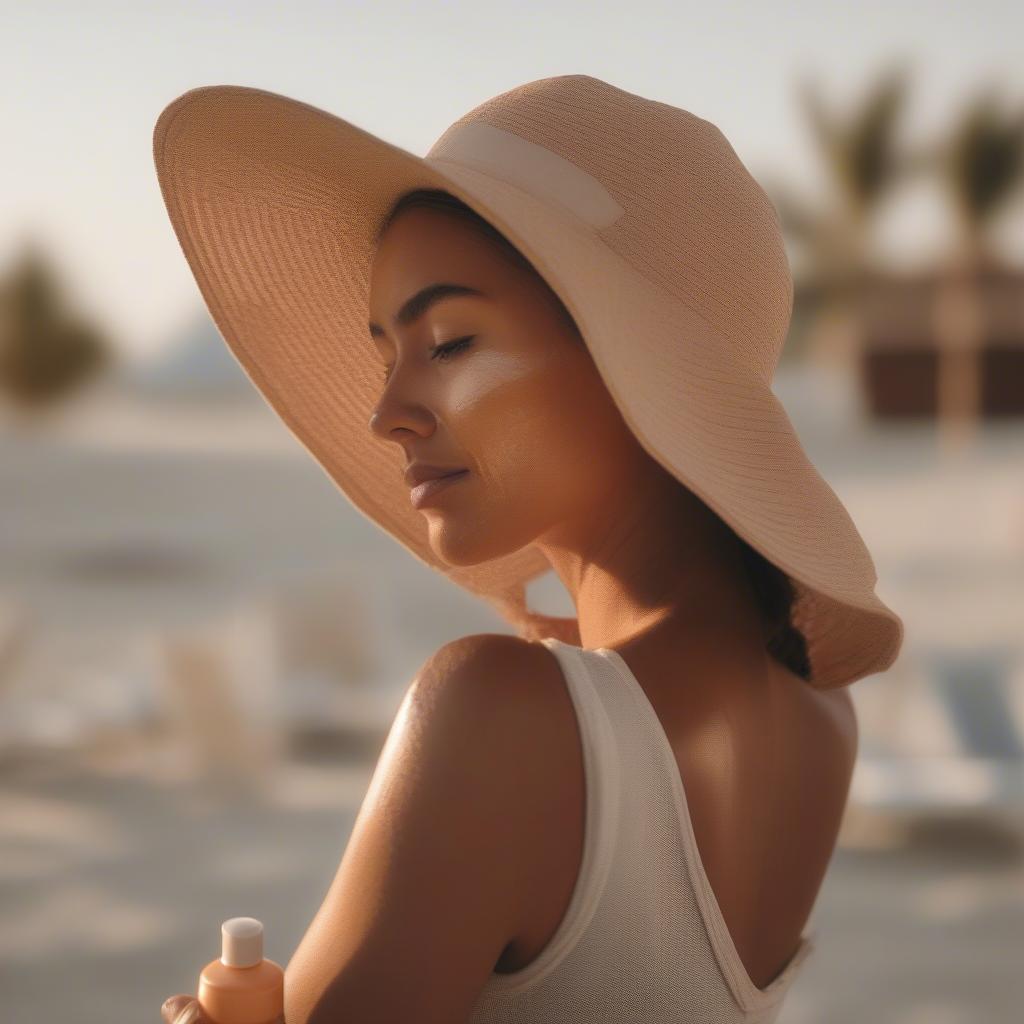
644	222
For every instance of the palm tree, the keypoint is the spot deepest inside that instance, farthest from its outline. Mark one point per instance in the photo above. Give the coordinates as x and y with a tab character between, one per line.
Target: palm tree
863	163
981	164
46	352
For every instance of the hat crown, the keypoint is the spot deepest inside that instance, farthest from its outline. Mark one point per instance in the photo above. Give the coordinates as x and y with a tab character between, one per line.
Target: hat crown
662	187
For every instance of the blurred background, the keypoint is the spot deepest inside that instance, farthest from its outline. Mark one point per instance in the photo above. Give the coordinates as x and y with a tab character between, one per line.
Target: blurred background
203	644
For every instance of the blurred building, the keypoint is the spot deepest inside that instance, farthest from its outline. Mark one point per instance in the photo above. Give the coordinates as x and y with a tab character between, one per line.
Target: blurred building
902	341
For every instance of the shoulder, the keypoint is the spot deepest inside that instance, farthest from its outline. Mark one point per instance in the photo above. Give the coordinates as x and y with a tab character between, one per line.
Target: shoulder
436	879
498	707
486	677
489	716
490	691
499	652
497	702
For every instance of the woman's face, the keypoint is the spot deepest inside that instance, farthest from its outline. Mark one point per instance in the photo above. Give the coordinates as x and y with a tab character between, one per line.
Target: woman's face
520	405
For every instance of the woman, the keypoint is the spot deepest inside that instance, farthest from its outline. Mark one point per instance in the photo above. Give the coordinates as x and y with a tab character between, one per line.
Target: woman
627	814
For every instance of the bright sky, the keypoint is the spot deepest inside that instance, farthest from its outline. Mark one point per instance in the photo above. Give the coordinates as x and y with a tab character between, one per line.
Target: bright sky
83	85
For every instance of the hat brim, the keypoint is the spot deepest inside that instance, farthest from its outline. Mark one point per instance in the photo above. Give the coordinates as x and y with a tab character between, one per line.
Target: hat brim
276	203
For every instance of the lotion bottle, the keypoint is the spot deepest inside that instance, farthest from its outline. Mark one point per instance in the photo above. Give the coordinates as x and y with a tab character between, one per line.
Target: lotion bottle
241	986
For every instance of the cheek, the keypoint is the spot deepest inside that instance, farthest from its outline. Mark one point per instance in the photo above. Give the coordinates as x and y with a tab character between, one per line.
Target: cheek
518	418
488	382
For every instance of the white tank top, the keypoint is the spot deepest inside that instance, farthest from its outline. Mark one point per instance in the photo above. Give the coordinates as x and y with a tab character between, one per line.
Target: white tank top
643	938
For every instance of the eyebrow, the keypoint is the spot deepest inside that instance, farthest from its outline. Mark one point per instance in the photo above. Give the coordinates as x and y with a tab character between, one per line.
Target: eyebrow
415	306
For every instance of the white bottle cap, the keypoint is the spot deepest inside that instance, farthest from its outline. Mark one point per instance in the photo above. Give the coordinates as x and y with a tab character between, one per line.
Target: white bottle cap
241	942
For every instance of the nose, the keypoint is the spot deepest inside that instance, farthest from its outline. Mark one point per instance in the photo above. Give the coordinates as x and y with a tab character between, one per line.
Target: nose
393	413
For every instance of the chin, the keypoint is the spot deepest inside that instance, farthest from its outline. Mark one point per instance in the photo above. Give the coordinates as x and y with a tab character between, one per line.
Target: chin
455	545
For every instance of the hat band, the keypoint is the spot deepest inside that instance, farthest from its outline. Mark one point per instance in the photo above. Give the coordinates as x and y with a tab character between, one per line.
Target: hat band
515	160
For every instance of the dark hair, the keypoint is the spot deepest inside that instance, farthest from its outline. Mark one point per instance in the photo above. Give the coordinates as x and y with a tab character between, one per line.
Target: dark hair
772	587
776	594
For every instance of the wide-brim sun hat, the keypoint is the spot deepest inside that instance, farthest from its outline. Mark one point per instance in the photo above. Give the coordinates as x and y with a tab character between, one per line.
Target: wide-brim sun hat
644	222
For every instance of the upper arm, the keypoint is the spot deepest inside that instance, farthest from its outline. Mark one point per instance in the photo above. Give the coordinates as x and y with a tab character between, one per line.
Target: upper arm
429	888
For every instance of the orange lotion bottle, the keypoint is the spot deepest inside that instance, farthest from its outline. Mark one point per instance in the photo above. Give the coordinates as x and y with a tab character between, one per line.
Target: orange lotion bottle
241	986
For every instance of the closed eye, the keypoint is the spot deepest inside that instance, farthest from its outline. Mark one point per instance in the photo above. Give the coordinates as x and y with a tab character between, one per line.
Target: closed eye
446	350
442	352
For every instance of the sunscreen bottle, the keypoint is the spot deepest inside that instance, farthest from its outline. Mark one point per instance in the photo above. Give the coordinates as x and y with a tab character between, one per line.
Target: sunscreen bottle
241	986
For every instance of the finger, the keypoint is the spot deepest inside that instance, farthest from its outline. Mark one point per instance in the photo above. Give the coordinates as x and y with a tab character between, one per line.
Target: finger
191	1014
180	1009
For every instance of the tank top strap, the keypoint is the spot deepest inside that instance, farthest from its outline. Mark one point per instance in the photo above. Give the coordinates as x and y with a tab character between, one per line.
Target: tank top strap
602	775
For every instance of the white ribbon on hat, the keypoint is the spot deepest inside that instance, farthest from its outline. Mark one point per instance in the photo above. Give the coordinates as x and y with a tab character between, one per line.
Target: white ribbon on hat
522	163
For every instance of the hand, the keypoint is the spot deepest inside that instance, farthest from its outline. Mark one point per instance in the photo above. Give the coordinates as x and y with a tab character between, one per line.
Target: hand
183	1010
186	1010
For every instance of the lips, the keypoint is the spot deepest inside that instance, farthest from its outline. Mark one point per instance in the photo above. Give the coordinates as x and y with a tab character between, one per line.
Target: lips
419	472
422	492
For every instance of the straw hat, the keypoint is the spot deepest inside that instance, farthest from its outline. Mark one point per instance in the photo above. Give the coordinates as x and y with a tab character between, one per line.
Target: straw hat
640	217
